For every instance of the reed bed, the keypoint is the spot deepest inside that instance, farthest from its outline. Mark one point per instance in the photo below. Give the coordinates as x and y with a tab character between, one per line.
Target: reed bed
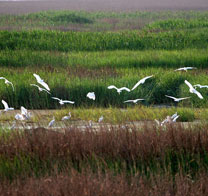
167	159
105	59
99	41
88	183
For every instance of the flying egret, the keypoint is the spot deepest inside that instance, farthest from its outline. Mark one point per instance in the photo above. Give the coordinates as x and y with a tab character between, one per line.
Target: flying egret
40	89
51	123
101	119
7	82
6	107
174	119
193	90
91	95
177	99
185	68
25	115
168	119
119	89
142	81
41	81
133	101
19	117
200	86
62	102
67	117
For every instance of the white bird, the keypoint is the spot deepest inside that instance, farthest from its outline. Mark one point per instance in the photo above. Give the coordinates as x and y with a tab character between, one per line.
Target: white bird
6	107
41	81
133	101
193	90
177	99
40	89
25	115
119	89
19	117
7	82
100	119
62	102
51	123
185	68
174	119
91	95
168	119
174	115
67	117
142	81
200	86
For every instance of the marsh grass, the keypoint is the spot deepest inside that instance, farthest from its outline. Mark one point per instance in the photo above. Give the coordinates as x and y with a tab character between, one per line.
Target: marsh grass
99	41
148	152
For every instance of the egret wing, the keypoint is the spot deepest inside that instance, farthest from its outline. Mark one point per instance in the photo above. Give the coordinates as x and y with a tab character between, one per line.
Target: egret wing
127	101
198	94
170	97
23	111
112	86
44	85
5	104
189	84
66	101
124	88
56	98
37	77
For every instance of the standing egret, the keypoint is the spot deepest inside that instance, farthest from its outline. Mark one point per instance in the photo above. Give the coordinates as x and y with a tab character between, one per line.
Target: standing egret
119	89
193	90
62	102
7	82
51	123
101	119
41	81
142	81
67	117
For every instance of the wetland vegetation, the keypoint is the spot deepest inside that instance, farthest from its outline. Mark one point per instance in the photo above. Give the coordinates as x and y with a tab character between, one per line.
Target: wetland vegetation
77	52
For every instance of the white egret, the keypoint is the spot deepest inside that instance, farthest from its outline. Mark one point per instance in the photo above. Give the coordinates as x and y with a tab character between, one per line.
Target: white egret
119	89
7	82
51	123
91	95
101	119
62	102
174	119
185	68
41	81
177	99
19	117
200	86
133	101
6	107
193	90
40	89
67	117
25	115
142	81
